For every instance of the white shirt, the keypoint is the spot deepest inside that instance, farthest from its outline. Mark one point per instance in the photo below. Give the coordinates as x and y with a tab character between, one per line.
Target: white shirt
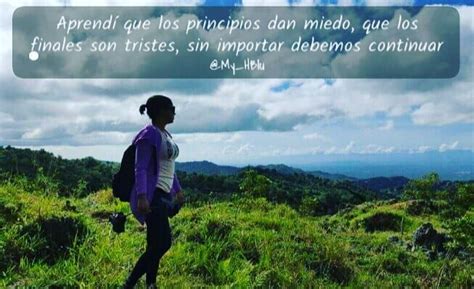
169	151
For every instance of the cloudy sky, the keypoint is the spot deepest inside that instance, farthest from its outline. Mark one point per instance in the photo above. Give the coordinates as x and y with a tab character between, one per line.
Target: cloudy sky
241	121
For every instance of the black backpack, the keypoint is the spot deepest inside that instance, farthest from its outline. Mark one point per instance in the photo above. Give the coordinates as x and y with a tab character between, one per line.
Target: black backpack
124	179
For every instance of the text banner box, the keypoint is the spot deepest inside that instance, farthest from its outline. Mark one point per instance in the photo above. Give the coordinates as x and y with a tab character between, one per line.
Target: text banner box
236	42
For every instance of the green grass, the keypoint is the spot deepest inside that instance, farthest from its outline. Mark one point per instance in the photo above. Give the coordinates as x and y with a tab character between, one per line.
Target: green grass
249	243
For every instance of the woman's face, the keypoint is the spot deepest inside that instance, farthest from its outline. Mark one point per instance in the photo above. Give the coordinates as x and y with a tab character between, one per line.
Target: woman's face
169	114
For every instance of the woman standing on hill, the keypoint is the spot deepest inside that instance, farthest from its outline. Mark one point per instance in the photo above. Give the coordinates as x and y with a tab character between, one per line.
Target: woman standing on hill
156	194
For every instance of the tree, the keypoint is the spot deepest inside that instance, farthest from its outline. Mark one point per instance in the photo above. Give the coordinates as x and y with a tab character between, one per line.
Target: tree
254	184
464	197
311	205
423	188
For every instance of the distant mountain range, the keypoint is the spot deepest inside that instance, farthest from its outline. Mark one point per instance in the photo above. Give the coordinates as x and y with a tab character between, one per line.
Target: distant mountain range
97	173
209	168
382	185
206	167
450	165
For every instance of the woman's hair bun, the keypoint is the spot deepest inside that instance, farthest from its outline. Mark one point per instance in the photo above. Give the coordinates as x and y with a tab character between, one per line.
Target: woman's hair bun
154	105
142	108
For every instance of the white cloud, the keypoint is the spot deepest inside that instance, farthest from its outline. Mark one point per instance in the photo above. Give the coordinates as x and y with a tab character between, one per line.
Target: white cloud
195	138
234	138
445	111
264	3
422	149
349	147
389	2
32	134
388	125
447	147
315	136
245	149
374	149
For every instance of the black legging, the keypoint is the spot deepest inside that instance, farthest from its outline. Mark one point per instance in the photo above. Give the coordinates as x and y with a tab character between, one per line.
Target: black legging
158	240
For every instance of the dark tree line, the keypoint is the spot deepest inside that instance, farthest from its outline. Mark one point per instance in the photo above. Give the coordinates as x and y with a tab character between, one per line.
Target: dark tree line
305	192
79	177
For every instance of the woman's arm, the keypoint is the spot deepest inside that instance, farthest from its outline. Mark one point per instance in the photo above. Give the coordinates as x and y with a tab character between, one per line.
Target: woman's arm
176	185
143	152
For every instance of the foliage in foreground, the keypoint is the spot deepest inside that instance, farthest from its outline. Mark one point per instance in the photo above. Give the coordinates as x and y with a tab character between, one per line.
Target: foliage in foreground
247	242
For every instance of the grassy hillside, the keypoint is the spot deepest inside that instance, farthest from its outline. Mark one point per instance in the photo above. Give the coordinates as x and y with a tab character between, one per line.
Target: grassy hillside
248	242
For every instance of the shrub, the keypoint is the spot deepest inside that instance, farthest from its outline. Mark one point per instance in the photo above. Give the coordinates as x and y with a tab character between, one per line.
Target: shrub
9	212
420	207
462	231
47	239
218	229
382	221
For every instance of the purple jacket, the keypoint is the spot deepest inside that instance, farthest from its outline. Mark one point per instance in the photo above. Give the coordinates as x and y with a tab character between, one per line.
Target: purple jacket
146	174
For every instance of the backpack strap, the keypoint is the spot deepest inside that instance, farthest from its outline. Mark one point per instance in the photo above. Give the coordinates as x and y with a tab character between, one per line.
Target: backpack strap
168	133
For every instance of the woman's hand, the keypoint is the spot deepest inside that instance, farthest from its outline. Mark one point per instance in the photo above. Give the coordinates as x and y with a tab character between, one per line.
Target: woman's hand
143	206
180	197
